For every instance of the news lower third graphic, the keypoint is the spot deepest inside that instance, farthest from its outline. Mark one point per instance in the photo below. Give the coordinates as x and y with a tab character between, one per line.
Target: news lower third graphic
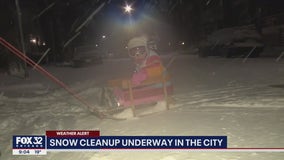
91	140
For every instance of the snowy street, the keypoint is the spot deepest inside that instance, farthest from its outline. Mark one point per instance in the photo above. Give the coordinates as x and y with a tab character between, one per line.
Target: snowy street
213	96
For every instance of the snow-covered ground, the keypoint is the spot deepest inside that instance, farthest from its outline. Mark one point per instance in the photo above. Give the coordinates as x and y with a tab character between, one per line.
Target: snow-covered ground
213	96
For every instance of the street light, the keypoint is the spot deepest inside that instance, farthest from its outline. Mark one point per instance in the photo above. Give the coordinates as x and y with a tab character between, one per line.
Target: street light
128	8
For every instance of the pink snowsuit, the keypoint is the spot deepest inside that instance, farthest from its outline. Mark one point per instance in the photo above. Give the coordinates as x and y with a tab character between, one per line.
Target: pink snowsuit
143	67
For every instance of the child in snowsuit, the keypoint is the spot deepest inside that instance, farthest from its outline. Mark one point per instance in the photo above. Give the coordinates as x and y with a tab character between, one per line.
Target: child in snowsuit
149	70
148	63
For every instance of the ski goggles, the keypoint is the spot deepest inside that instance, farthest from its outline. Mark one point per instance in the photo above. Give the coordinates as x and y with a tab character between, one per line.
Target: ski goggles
137	51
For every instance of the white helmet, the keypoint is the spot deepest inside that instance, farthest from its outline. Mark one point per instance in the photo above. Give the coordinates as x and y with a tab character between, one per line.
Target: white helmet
137	42
137	47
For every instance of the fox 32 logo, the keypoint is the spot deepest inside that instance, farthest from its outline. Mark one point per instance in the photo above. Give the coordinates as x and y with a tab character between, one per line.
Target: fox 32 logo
28	142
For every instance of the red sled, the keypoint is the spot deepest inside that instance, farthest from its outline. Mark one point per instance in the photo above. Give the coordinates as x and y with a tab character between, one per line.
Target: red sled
149	92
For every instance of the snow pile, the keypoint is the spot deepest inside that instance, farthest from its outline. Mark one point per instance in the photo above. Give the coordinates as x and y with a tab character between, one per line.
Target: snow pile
142	111
159	107
124	114
228	35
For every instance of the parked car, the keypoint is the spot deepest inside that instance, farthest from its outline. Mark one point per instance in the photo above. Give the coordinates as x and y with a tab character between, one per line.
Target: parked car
11	64
86	55
232	42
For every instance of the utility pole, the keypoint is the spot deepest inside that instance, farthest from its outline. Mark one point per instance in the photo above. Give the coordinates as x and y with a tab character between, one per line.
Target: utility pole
21	35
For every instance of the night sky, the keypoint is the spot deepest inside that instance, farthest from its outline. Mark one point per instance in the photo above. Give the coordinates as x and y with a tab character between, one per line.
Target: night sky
185	20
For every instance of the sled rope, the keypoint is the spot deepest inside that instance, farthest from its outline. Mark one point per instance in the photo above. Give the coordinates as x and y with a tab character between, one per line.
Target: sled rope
25	58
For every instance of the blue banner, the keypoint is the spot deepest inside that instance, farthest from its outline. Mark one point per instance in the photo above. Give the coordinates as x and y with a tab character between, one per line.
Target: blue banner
138	142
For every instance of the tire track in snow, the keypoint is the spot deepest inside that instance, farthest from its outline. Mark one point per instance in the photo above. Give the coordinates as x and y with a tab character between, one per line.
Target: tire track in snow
210	93
261	95
57	100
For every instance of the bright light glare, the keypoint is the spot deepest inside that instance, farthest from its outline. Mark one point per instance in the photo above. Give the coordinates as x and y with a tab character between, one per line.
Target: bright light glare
103	36
33	40
128	8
